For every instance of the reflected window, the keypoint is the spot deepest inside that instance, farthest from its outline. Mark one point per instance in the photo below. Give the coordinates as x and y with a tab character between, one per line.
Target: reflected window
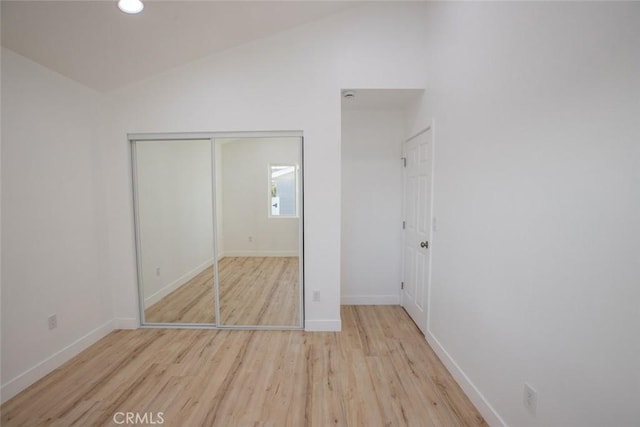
283	187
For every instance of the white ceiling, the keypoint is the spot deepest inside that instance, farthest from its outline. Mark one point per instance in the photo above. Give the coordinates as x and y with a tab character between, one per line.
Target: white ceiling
95	44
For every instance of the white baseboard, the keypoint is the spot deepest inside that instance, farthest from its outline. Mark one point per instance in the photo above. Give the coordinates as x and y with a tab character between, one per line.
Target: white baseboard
261	253
370	300
33	374
126	323
323	325
166	290
484	407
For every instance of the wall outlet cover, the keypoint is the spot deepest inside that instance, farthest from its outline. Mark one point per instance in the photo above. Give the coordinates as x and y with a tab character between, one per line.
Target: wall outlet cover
530	398
53	321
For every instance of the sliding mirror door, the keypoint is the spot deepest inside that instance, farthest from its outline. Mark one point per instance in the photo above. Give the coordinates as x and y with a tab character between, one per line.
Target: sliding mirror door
219	229
258	218
175	232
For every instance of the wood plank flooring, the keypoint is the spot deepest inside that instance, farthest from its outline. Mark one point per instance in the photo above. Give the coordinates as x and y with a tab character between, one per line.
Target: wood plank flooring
253	291
379	371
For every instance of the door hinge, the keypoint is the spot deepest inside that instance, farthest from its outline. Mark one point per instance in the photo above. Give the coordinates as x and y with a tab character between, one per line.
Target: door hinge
404	225
404	161
401	285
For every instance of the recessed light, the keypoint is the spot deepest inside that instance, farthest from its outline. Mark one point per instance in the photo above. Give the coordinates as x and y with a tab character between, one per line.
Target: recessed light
130	6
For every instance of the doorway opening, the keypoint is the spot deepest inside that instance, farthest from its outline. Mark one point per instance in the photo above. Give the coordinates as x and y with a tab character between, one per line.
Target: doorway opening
375	128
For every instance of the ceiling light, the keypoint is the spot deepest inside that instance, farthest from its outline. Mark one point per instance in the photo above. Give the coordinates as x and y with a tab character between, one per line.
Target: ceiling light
130	6
348	94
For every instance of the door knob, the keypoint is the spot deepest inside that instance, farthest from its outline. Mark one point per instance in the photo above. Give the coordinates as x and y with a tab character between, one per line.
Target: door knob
424	245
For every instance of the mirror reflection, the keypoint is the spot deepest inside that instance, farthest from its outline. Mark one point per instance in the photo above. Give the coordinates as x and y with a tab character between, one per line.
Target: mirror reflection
218	228
175	230
258	222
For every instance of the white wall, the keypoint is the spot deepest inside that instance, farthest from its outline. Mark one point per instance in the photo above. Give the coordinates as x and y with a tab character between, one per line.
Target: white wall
1	357
175	213
290	81
247	229
53	223
536	262
371	249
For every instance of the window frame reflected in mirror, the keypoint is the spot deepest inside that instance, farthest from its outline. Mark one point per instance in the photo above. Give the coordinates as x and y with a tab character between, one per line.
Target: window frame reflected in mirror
273	194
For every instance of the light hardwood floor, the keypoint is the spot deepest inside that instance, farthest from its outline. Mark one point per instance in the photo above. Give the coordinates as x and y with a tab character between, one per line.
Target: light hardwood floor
378	371
253	291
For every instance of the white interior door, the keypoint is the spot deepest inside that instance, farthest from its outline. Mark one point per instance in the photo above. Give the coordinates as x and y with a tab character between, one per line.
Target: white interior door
417	226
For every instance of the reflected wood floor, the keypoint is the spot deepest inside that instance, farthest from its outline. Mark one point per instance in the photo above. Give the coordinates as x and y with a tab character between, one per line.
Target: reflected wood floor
378	371
259	291
253	291
193	302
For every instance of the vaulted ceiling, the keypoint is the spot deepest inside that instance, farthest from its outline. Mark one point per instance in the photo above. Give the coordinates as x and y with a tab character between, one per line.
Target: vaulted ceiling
96	44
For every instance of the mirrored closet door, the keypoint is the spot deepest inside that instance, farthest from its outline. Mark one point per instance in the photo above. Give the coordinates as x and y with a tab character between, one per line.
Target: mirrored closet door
173	183
259	231
219	229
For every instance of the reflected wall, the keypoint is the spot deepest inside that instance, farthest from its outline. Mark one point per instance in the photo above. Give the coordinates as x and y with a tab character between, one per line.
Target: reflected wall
175	230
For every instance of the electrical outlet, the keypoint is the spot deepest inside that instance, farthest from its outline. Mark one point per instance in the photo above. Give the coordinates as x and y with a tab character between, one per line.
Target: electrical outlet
158	271
53	321
530	398
316	296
